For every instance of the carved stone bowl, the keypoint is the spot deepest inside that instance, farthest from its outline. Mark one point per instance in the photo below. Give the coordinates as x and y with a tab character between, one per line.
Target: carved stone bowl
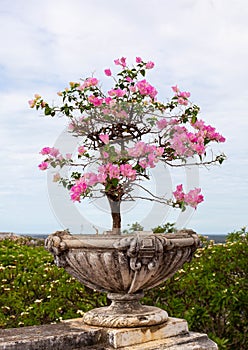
123	266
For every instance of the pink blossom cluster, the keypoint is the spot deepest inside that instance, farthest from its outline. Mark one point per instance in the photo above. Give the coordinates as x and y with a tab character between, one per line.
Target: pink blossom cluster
78	190
114	171
117	92
149	65
146	89
104	138
147	155
36	101
106	172
81	150
208	132
53	157
181	96
51	151
121	62
192	198
186	143
88	83
96	101
115	111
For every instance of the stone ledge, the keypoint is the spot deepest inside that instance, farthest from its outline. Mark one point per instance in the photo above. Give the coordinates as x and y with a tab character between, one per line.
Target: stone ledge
74	334
61	336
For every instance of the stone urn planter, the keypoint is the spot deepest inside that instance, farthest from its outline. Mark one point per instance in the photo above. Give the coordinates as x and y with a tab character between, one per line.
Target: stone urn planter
124	266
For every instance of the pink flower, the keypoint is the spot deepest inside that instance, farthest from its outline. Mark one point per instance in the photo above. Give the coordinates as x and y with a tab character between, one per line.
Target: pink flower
108	100
159	151
138	59
101	177
96	101
108	72
127	171
81	150
78	189
112	171
179	194
54	152
88	83
43	165
92	81
121	62
162	123
129	79
45	150
68	155
149	65
132	88
117	92
182	101
207	132
184	94
175	88
71	126
104	138
90	179
146	89
31	103
105	155
143	163
193	197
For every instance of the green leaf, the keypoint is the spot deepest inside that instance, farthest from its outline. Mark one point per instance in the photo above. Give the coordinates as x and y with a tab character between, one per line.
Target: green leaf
115	182
193	119
47	110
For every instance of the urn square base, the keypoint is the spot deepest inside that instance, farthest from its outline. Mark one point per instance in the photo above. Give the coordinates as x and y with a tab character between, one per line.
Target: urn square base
171	335
131	336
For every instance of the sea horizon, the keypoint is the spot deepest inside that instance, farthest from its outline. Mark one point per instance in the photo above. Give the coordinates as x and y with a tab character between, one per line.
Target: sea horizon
217	237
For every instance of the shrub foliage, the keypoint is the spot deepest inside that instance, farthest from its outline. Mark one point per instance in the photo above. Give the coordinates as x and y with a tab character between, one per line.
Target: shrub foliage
210	292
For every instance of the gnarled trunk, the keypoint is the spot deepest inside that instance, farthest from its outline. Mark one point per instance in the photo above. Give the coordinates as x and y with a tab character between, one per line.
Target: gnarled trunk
116	215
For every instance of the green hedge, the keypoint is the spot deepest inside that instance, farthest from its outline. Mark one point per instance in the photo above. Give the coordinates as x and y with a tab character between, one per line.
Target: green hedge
210	292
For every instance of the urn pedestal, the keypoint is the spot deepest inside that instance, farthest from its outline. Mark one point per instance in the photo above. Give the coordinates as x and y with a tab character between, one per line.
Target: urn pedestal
124	266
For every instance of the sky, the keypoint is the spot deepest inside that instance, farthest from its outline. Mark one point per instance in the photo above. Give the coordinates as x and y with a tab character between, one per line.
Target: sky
200	45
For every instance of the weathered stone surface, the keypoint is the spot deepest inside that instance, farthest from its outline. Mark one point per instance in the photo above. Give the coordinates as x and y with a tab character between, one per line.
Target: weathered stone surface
191	341
131	336
124	263
125	311
124	266
74	334
62	336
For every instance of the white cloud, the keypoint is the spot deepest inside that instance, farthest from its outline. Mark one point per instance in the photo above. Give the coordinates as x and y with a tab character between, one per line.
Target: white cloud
201	45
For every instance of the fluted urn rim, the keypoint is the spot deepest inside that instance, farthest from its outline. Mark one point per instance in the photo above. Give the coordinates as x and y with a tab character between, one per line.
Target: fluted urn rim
122	263
62	240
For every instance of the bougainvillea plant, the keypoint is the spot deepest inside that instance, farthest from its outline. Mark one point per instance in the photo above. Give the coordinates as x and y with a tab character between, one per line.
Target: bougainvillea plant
124	132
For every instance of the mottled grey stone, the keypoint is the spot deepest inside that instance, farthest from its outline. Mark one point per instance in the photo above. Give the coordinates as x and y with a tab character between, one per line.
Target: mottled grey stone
74	334
123	266
60	336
